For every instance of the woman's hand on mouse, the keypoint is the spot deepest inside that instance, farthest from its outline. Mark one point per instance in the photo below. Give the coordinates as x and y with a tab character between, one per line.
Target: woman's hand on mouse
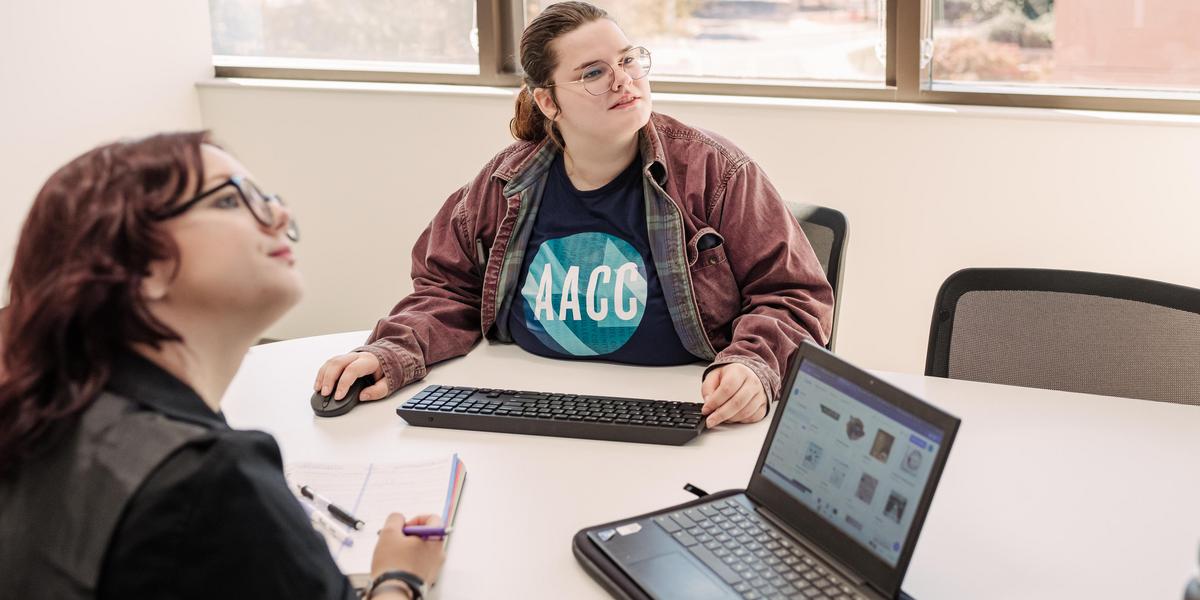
342	370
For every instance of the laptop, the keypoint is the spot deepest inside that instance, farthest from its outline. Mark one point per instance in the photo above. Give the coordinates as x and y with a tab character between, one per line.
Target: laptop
833	508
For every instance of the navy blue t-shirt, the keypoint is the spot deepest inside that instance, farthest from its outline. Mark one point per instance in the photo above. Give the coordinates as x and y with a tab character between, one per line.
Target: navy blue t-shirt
588	287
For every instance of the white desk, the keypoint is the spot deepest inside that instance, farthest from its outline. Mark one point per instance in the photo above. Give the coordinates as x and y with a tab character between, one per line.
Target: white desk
1046	494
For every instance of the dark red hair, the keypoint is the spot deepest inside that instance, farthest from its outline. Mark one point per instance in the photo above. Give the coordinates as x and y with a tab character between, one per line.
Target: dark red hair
75	287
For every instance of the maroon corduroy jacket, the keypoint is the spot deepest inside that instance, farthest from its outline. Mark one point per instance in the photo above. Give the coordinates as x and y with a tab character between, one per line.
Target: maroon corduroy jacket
751	298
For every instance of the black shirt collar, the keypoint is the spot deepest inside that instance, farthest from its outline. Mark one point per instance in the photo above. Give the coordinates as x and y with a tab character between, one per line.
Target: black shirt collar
137	378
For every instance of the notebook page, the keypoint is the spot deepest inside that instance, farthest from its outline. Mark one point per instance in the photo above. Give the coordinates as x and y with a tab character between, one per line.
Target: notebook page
371	493
342	484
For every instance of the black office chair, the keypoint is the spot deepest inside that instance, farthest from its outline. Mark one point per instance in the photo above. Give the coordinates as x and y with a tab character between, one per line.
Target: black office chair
827	232
1192	592
1068	330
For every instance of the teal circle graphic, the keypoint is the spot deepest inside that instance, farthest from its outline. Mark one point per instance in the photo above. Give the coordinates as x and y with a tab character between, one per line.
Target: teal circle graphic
585	294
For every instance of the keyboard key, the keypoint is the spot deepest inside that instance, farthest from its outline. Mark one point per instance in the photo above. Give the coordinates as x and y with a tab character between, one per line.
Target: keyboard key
710	560
683	520
668	524
684	538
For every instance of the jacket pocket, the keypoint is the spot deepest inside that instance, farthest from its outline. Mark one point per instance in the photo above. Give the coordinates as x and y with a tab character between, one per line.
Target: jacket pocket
716	289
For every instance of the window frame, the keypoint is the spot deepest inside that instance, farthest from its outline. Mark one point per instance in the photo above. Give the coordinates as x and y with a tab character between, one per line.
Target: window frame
500	23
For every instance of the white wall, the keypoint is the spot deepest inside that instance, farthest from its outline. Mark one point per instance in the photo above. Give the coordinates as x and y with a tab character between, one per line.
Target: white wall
927	190
78	73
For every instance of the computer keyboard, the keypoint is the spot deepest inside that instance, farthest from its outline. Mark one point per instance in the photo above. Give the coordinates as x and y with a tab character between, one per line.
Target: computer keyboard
749	555
562	415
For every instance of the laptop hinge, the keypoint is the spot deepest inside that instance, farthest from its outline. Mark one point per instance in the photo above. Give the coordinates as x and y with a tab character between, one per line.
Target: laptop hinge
830	561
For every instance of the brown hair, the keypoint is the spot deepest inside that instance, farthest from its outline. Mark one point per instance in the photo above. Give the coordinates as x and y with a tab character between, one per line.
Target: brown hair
75	286
538	62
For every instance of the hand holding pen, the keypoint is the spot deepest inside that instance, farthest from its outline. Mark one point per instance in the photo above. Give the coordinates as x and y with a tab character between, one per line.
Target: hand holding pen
422	556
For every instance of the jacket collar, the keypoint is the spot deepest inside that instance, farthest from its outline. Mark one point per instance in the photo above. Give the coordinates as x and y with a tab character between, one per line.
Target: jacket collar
138	379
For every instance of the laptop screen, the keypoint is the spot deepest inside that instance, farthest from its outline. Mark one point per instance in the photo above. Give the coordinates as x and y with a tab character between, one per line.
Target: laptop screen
852	458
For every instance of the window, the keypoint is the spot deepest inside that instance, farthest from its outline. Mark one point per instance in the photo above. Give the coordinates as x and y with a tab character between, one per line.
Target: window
1116	45
423	35
830	40
1140	55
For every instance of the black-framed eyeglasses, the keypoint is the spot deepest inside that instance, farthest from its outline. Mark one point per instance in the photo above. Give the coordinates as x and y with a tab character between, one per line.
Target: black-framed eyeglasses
598	77
258	203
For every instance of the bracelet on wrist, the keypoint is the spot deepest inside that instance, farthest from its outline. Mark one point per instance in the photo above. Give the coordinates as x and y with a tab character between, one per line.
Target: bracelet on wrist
388	586
415	585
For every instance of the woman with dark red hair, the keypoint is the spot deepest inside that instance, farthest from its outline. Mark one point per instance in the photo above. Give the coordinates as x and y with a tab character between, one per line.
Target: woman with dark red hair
144	272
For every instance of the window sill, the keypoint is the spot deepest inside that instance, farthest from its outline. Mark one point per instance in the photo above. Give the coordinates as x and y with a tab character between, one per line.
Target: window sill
669	99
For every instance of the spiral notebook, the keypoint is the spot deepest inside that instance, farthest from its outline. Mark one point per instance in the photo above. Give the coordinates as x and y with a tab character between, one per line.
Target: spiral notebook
372	491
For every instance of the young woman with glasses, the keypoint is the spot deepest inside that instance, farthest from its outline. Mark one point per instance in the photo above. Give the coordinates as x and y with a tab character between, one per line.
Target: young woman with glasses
607	232
144	272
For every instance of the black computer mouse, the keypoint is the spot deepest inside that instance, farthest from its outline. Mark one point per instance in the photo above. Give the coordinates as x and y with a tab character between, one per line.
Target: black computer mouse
326	406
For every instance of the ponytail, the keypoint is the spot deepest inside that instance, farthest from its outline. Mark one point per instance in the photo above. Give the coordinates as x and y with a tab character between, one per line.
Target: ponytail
530	123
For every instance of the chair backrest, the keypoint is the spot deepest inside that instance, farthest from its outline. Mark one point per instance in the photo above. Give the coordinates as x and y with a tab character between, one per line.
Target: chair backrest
827	232
1193	589
1068	330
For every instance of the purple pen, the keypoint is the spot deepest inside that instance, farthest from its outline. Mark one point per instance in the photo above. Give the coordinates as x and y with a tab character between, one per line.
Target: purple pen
426	531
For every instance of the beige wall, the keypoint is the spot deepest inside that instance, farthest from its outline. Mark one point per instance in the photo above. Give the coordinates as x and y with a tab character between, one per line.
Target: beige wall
928	190
76	73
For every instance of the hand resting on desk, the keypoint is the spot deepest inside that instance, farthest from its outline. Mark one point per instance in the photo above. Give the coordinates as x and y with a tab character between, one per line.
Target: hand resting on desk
732	393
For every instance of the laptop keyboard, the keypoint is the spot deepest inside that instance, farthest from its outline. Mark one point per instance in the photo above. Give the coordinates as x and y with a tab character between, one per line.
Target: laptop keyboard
750	555
563	415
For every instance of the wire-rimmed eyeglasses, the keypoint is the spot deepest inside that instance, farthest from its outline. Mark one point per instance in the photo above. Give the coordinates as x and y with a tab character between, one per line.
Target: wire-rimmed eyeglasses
598	77
258	203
